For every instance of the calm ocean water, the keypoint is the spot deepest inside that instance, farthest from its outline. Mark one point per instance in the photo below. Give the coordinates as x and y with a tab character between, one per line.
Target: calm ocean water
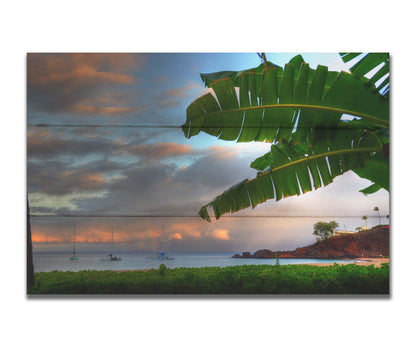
50	261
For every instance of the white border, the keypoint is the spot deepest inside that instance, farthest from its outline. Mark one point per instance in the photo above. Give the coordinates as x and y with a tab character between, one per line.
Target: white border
216	26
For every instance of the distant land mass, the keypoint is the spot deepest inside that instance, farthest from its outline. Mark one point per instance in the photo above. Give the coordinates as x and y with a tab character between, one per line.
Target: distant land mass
372	243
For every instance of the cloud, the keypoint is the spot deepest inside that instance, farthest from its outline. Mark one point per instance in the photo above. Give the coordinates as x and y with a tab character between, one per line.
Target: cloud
47	144
140	185
187	229
81	68
40	237
74	145
42	178
136	192
215	171
141	234
174	97
81	74
79	142
104	110
219	234
161	150
69	82
175	236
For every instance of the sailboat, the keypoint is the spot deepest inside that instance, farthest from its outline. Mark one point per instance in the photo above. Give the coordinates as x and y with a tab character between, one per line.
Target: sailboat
163	255
74	257
110	256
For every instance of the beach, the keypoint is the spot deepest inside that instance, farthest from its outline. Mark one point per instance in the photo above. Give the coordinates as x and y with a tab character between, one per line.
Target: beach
360	261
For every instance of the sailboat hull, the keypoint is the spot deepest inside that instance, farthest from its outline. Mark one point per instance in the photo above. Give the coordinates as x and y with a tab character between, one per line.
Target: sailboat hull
111	258
159	256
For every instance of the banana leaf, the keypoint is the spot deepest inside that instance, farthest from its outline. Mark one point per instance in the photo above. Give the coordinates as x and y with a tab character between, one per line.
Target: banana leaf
370	189
291	172
257	72
368	62
296	101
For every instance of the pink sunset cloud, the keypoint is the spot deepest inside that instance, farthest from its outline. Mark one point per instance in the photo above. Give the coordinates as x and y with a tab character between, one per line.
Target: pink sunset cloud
219	234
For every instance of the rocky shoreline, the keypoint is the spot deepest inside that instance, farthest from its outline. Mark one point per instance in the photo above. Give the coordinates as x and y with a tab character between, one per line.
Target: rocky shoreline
373	243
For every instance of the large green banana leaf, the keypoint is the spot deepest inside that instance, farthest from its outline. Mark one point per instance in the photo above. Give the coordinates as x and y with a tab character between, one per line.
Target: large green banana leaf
295	101
293	169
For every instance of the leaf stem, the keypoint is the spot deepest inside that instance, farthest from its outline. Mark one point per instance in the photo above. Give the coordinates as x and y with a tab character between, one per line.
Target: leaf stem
311	107
326	154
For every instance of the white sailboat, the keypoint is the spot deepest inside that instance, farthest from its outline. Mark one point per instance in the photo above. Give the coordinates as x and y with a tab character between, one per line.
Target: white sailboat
110	256
74	256
164	254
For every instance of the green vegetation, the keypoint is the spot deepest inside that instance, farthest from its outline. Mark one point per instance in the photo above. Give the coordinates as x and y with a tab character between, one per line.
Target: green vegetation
245	279
365	218
324	230
277	259
378	211
299	110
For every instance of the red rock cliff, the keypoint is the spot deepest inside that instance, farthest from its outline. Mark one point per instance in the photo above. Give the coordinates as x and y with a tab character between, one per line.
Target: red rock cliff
371	243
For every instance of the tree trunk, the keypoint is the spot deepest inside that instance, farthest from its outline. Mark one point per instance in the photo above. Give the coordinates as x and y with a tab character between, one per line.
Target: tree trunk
30	281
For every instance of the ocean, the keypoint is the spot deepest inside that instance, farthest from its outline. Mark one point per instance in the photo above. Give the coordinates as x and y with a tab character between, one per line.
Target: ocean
60	261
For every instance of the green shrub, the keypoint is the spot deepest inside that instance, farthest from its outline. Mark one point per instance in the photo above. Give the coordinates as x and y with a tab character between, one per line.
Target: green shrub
162	269
245	279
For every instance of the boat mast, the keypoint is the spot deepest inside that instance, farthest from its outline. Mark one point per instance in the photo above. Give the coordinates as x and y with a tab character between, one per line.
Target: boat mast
112	240
75	230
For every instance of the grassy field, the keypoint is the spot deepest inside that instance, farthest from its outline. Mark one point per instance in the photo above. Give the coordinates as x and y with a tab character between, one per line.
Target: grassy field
247	279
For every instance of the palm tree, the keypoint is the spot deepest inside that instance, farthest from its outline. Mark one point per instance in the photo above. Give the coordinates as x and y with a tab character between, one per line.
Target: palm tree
379	218
365	218
299	111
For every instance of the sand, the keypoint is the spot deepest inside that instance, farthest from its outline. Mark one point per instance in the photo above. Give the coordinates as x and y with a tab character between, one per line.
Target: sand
360	261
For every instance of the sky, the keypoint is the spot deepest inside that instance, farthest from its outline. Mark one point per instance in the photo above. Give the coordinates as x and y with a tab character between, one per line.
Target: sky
121	152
